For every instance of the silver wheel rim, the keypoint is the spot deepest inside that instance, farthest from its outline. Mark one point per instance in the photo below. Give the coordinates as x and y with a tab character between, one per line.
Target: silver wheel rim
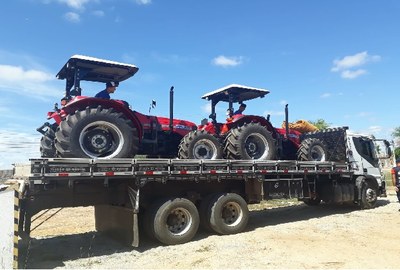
232	214
179	221
370	195
205	149
317	153
256	146
101	130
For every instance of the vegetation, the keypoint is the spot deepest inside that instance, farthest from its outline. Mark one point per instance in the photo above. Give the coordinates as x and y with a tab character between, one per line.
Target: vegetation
396	132
321	124
396	135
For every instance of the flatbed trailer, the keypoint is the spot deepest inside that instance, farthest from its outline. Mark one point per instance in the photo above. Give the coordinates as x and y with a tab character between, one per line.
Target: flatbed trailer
171	198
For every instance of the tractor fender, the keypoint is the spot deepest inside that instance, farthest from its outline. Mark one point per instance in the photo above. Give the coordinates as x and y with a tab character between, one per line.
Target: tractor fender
118	105
239	121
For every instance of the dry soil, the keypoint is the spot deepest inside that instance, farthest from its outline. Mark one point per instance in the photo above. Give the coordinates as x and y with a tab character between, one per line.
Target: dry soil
291	236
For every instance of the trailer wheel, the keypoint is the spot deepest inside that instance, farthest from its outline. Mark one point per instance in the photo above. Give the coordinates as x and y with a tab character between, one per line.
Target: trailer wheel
47	148
96	133
199	144
250	141
312	149
173	221
228	214
369	195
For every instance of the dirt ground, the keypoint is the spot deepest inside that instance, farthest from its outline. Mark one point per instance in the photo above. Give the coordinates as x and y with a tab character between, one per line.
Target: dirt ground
291	236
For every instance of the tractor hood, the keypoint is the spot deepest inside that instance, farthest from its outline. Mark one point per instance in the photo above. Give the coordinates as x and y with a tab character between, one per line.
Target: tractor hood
87	68
235	93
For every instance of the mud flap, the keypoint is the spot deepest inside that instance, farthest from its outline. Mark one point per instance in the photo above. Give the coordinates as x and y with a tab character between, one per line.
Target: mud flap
119	223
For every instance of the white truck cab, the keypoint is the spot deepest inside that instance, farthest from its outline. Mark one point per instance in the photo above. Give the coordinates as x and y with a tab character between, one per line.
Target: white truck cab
362	153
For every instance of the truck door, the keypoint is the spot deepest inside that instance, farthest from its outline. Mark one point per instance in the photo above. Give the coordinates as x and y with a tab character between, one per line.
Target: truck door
365	156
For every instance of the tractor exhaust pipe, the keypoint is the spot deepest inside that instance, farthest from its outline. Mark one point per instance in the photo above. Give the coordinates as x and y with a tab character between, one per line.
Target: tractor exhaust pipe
171	109
287	121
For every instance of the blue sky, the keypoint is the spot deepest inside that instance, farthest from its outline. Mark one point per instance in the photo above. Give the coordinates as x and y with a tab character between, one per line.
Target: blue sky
335	60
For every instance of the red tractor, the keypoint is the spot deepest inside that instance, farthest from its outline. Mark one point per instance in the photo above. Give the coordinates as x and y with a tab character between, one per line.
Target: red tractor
106	128
241	136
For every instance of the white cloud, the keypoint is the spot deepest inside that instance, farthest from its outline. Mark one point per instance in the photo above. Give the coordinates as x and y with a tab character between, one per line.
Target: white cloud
98	13
375	129
72	17
283	102
27	82
352	61
352	74
326	95
17	147
16	73
143	2
274	113
347	64
76	4
364	114
225	61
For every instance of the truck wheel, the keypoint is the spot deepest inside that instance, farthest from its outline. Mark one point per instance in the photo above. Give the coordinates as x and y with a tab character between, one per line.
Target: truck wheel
228	214
312	201
199	144
250	141
173	221
369	195
312	149
96	133
47	148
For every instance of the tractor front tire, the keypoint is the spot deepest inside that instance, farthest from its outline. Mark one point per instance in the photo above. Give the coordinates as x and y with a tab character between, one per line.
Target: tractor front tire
250	141
199	144
47	148
96	133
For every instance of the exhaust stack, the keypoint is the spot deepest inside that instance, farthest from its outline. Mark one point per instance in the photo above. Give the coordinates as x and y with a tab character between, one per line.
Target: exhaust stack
287	121
171	109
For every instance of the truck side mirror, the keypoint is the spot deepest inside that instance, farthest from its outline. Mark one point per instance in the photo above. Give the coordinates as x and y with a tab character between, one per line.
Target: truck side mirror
388	149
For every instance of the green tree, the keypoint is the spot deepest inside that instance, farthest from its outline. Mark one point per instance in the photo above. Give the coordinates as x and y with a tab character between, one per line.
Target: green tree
320	123
396	132
397	152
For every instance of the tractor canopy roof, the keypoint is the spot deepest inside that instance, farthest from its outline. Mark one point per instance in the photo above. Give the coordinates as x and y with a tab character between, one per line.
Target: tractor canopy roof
85	68
235	93
96	70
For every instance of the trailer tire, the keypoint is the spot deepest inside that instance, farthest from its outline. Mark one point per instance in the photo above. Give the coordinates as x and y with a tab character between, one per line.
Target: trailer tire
369	195
199	144
47	148
96	133
228	214
173	221
250	141
312	149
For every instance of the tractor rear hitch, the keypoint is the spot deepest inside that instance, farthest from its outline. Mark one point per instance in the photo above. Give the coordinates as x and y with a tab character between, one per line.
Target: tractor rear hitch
41	128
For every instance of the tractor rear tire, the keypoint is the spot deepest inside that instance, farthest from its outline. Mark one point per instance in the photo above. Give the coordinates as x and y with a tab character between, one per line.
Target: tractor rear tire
47	148
96	133
250	141
312	149
199	144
